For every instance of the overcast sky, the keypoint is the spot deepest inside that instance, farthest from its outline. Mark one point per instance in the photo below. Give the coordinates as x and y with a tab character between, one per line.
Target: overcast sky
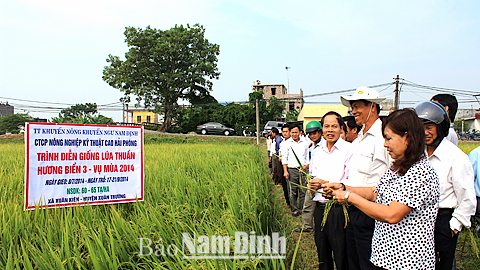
55	51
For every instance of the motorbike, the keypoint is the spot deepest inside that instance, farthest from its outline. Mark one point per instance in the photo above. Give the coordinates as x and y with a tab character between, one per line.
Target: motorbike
247	132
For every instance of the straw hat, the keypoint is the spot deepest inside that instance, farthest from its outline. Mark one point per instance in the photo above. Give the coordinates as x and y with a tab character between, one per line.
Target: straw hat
364	93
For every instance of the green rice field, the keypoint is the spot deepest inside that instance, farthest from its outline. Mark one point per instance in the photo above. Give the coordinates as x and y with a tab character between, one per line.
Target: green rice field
213	187
195	185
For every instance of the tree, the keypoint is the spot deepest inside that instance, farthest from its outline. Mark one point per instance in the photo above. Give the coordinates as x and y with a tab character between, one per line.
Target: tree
292	115
79	111
232	115
82	114
275	108
273	111
11	122
457	125
162	67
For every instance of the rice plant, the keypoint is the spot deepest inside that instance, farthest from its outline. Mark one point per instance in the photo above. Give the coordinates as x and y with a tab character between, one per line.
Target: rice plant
204	188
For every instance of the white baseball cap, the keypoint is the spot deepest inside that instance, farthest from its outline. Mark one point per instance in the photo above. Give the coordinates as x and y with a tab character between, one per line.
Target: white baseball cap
362	92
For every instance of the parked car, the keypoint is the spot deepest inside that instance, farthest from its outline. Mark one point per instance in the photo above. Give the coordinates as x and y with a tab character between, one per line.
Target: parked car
270	124
214	128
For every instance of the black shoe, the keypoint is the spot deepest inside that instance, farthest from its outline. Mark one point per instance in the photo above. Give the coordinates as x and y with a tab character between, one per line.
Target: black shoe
304	230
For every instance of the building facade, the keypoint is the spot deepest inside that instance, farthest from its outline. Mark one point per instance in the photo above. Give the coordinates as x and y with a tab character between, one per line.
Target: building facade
316	112
6	109
292	101
141	116
471	117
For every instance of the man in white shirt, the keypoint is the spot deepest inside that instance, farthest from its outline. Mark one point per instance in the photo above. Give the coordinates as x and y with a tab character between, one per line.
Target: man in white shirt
286	136
330	163
352	128
457	192
370	160
268	139
450	103
292	168
314	132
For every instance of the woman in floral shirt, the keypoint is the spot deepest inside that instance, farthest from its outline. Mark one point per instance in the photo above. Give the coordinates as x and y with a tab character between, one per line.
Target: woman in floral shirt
405	201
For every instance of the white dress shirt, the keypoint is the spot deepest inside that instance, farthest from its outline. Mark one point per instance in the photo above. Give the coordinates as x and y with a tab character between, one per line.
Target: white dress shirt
312	153
283	146
452	135
456	177
300	148
269	144
370	158
333	165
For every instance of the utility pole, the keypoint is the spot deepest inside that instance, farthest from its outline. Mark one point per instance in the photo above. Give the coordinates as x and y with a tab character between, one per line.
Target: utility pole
126	115
396	92
288	80
123	108
257	114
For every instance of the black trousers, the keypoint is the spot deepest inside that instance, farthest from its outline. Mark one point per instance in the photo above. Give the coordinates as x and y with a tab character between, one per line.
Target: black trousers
445	244
359	240
297	194
331	238
285	187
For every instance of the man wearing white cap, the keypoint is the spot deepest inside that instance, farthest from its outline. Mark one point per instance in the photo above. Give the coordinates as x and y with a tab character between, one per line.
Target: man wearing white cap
369	162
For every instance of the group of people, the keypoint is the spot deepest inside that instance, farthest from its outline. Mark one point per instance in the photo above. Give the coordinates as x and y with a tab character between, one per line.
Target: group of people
408	188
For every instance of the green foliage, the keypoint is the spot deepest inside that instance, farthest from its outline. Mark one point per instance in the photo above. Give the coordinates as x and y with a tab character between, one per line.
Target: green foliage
274	109
232	115
164	66
79	111
292	115
457	125
82	114
253	96
11	122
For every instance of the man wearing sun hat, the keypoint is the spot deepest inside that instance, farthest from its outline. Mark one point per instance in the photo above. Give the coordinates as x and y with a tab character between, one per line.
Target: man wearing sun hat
369	162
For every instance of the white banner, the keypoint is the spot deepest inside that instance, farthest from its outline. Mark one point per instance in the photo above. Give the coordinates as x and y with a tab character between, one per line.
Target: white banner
74	164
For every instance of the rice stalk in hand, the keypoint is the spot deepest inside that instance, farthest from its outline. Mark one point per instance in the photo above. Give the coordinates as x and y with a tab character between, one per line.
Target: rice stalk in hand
298	160
307	188
345	213
329	204
328	207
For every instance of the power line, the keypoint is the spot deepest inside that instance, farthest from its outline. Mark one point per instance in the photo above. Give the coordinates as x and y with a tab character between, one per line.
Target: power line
57	103
36	101
442	89
344	91
406	85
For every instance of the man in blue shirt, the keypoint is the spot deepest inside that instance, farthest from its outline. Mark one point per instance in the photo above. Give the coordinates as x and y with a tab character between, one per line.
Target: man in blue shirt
276	173
475	158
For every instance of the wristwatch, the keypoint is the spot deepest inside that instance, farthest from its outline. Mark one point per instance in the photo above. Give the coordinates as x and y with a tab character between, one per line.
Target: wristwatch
346	197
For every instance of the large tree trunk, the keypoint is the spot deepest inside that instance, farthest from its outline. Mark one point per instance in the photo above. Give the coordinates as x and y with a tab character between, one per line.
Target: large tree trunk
167	121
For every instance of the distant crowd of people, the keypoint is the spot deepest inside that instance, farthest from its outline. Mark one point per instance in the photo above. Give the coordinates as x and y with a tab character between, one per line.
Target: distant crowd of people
408	188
